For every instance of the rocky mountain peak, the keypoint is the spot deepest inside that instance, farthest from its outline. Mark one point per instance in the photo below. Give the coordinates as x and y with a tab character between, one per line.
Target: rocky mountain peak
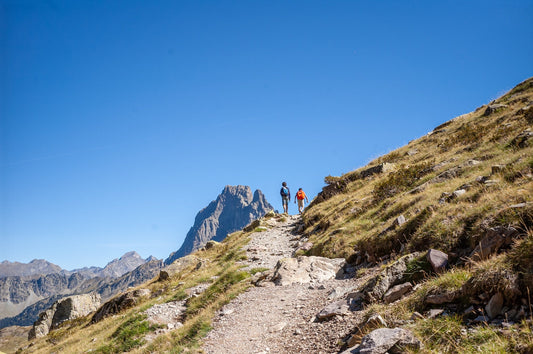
36	266
234	208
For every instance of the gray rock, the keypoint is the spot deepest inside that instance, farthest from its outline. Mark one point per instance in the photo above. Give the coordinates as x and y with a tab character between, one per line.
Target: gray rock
381	168
396	292
375	288
494	238
66	309
491	108
337	308
376	321
437	259
400	220
522	139
434	313
494	307
233	209
307	270
437	299
306	246
383	340
459	193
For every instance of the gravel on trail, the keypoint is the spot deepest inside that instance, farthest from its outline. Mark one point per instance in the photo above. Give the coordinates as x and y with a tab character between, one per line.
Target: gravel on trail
280	319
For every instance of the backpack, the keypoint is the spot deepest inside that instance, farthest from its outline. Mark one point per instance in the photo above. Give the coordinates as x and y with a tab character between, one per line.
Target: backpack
300	195
284	191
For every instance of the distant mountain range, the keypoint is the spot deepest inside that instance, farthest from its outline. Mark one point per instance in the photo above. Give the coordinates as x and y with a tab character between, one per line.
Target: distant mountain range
233	209
41	283
26	289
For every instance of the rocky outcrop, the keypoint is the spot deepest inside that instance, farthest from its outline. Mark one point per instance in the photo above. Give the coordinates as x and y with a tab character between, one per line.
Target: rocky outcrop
66	309
307	270
233	209
119	304
375	288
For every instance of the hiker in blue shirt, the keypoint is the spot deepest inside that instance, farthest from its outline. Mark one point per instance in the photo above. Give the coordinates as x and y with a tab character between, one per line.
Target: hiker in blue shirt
285	193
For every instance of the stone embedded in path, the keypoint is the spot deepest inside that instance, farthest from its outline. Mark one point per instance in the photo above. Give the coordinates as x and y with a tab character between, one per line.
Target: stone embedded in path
340	307
387	340
437	259
307	270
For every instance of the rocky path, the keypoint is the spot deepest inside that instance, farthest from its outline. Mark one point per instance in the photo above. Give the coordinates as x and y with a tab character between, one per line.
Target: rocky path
280	319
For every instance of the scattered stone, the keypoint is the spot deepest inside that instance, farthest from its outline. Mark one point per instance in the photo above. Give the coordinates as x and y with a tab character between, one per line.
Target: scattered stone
480	319
375	288
469	311
412	152
376	321
434	313
472	162
437	299
491	182
522	139
458	193
306	246
493	240
387	340
494	307
437	259
399	221
278	327
337	308
481	179
396	292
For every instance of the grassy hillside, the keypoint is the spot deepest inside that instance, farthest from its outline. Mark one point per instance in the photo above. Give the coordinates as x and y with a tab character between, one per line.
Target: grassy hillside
445	190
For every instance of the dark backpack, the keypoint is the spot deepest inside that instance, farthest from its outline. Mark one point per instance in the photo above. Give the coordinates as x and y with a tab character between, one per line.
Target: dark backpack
284	191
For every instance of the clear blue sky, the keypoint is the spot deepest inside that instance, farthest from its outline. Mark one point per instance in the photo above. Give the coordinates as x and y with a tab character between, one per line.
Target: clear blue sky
120	120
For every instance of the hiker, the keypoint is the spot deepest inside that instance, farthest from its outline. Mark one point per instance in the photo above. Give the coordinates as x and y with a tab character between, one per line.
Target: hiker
285	193
300	196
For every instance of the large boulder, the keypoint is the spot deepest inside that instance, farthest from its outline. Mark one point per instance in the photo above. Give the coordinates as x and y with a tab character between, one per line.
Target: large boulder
387	340
120	303
307	270
375	288
66	309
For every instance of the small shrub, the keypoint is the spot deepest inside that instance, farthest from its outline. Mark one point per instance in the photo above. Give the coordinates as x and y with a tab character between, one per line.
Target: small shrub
254	271
128	336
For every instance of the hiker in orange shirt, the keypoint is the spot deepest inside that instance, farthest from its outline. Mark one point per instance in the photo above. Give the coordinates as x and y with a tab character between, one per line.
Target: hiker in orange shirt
300	196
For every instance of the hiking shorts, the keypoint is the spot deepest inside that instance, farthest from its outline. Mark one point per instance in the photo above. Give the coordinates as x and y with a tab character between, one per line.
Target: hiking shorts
300	203
285	200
